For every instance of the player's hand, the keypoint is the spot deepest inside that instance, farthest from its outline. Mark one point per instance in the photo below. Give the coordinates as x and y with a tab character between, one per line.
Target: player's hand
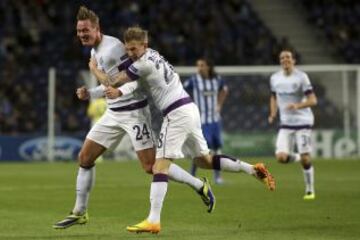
112	93
92	63
82	93
292	106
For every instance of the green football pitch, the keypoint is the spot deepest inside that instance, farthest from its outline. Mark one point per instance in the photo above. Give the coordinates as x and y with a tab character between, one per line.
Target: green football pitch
33	196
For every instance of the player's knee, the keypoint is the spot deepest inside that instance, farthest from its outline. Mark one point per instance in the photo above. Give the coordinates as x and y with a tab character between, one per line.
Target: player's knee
305	161
161	166
204	161
85	159
156	169
282	157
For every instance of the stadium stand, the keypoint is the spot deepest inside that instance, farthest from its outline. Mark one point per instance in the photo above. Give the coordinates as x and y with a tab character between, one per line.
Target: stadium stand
40	34
339	22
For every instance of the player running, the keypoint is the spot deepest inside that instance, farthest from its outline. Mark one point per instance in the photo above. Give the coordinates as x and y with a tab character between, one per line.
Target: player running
127	113
292	93
181	124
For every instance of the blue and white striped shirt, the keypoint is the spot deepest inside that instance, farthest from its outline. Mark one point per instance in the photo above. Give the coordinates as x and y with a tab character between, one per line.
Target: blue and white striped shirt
205	95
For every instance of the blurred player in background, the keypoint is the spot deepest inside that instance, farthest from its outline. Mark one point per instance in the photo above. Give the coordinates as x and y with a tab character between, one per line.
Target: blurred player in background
209	91
292	93
95	110
181	125
128	113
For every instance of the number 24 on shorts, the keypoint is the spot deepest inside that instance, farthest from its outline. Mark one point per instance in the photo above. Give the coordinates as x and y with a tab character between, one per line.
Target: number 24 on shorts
141	132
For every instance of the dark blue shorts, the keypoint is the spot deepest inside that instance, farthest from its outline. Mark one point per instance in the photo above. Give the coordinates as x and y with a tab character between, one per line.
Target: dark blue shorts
212	134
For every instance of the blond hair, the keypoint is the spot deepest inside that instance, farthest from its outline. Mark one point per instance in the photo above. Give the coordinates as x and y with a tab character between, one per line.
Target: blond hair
136	33
86	14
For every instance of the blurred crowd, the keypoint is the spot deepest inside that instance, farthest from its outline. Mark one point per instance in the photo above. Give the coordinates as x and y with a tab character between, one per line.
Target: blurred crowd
339	20
38	34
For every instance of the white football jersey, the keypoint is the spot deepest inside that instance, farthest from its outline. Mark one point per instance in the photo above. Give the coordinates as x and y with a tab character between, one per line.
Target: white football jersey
292	89
159	77
111	57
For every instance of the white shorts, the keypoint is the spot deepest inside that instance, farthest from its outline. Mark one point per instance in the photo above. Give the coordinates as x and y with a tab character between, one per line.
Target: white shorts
181	128
288	138
112	126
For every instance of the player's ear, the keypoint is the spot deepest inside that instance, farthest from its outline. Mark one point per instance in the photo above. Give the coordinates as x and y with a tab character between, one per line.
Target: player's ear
146	44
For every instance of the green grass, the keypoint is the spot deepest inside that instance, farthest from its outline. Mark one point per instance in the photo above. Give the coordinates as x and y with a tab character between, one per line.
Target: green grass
34	196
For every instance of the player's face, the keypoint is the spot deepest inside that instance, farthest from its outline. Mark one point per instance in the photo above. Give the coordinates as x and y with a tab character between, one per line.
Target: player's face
135	49
286	60
87	32
202	67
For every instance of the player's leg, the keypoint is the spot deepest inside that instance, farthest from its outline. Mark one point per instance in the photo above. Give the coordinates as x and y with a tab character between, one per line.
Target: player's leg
227	163
216	145
285	145
206	128
171	138
85	180
158	191
159	184
86	175
217	173
303	139
231	164
104	134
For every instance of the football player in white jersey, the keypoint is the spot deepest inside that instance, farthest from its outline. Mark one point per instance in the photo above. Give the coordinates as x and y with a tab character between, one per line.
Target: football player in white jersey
293	96
127	113
181	125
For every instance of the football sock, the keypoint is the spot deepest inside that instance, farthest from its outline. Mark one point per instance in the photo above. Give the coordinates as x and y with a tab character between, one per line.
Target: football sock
193	169
84	183
178	174
216	174
157	194
309	178
226	163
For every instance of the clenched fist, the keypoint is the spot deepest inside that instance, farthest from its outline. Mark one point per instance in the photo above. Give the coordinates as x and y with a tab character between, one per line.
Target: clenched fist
82	93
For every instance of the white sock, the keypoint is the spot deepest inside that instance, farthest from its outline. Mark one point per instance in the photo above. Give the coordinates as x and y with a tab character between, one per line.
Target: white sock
234	165
294	157
309	179
84	183
157	195
178	174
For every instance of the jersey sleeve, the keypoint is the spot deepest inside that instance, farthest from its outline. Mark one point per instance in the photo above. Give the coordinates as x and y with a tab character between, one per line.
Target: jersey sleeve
139	68
128	88
272	87
97	92
306	85
188	85
222	83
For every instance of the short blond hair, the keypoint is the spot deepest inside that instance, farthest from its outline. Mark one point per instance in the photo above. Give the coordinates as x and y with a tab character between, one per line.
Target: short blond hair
86	14
136	33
